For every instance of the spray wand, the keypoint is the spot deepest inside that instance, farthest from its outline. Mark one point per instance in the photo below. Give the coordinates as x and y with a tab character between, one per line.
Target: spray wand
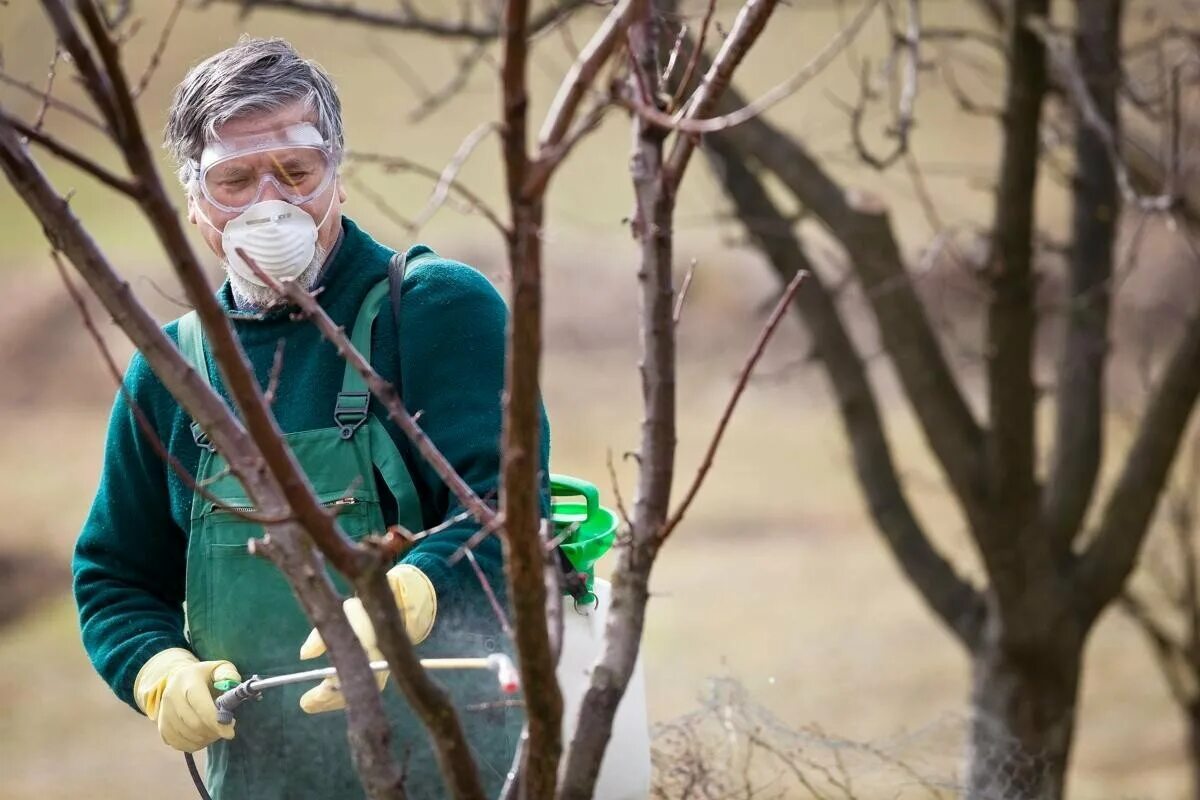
233	694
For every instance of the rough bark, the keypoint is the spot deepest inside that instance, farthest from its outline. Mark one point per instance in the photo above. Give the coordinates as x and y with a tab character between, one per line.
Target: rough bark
1023	716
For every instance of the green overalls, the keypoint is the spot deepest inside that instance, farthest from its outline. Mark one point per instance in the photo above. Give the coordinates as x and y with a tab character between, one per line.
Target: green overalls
240	608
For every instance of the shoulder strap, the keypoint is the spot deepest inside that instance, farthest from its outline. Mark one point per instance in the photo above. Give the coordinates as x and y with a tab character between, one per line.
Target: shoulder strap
190	336
191	344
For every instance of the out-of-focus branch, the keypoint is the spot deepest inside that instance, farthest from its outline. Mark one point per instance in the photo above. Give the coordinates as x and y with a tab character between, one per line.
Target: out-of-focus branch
1079	415
756	352
1015	554
407	18
861	223
402	164
156	57
51	74
1078	86
1108	560
1138	144
1171	654
82	162
910	44
959	605
52	102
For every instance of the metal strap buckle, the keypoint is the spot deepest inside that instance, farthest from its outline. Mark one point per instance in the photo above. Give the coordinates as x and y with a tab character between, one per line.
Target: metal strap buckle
201	438
351	411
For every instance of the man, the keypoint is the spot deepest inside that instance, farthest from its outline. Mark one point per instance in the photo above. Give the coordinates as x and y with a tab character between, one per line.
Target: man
169	600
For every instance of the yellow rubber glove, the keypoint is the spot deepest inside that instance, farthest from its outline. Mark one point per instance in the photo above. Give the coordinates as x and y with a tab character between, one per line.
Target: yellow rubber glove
417	602
174	688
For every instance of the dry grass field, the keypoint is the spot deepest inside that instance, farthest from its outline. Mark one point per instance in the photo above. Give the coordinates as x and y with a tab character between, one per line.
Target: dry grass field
776	580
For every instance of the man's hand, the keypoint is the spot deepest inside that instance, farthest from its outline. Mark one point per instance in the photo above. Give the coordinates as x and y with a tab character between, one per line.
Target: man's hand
417	603
175	689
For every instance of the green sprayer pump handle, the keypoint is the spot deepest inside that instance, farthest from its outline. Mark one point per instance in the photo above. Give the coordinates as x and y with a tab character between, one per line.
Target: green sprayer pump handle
569	486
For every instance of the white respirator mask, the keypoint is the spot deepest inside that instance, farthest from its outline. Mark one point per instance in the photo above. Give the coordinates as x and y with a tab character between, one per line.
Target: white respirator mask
281	239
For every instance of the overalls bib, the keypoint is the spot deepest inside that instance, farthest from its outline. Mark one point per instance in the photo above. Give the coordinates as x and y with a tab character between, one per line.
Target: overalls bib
240	608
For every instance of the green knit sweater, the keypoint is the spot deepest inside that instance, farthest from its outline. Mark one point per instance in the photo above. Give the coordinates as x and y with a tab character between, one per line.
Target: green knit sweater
129	562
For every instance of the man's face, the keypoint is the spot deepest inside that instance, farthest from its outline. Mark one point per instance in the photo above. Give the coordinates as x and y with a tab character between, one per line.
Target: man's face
331	199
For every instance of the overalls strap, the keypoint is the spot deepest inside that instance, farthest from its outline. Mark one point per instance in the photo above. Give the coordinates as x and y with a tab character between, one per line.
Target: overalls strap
191	345
355	398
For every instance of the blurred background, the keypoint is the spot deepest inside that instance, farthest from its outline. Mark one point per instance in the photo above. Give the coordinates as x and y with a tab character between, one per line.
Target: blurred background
776	595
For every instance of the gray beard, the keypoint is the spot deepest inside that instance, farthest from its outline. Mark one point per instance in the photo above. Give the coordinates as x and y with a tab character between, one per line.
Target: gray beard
252	297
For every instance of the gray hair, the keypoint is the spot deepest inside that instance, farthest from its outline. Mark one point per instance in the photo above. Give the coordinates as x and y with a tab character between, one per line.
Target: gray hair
253	76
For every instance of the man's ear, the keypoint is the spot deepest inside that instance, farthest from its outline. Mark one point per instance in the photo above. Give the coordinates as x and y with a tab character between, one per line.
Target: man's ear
191	209
341	190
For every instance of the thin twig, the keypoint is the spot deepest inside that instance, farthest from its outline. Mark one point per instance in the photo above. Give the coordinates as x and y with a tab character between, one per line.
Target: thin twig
159	49
743	379
401	164
51	72
694	60
497	609
447	177
276	371
616	486
683	291
910	43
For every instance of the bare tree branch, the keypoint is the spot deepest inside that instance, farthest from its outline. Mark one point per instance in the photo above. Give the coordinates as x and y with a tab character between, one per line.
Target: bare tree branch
159	49
910	44
575	84
52	102
524	558
82	162
747	27
1079	433
861	224
1108	560
407	18
689	72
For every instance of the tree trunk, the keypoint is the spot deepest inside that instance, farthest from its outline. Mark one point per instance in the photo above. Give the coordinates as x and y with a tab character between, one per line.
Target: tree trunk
1023	716
1193	723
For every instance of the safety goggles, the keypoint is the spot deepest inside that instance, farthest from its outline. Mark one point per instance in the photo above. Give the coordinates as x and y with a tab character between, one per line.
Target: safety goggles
233	173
